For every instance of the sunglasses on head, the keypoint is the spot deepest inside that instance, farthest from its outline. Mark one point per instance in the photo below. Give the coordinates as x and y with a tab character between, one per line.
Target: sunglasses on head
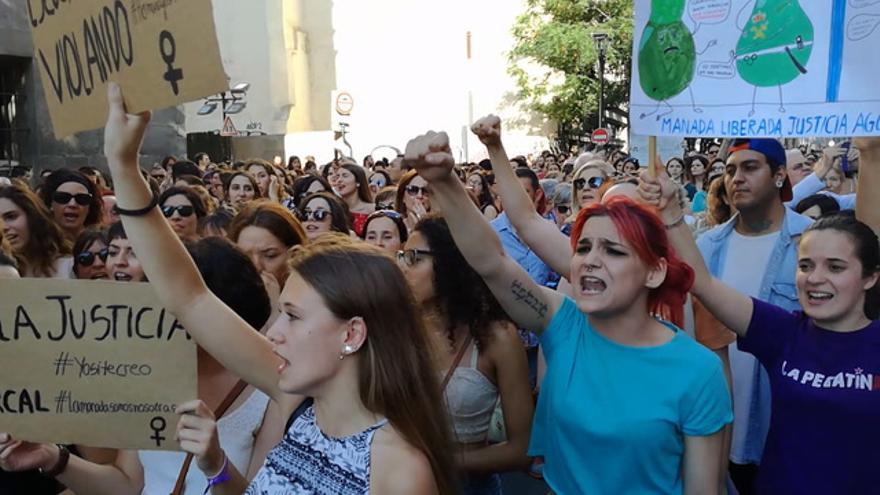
385	206
183	210
63	198
314	216
87	258
415	190
410	257
384	213
593	182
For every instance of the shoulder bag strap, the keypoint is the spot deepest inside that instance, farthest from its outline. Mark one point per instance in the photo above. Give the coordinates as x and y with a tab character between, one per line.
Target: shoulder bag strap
464	346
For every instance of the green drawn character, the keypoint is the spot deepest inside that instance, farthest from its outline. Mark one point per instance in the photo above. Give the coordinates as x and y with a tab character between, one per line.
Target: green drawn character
667	56
775	46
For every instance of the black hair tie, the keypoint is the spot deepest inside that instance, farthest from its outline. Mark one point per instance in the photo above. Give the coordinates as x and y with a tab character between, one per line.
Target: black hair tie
141	212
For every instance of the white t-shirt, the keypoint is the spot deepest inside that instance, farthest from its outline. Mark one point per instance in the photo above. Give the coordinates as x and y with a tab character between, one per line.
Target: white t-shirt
744	267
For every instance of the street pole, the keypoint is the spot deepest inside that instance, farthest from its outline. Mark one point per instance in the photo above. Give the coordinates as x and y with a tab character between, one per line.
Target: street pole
601	83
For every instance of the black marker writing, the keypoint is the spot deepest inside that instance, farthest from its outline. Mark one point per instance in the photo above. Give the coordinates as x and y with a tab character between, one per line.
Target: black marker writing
168	48
157	424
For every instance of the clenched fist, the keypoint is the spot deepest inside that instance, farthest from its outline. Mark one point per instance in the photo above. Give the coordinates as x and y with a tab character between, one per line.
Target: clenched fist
430	156
488	129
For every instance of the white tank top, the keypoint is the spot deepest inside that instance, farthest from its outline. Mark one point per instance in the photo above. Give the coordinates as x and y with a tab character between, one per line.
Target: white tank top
471	399
237	430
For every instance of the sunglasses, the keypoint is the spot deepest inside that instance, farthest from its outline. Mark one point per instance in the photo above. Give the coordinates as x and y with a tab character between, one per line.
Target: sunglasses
410	257
415	190
384	213
384	206
314	216
62	198
184	210
593	182
563	209
87	258
378	183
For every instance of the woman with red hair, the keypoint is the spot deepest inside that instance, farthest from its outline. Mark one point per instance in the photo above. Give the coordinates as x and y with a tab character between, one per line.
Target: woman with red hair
629	404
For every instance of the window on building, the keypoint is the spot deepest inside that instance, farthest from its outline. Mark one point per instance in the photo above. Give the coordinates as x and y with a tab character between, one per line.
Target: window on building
13	123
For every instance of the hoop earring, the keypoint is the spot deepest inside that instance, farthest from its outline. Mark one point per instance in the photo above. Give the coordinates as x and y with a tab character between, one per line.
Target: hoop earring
779	184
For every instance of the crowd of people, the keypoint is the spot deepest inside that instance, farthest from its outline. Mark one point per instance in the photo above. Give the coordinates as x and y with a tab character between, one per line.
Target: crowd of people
415	325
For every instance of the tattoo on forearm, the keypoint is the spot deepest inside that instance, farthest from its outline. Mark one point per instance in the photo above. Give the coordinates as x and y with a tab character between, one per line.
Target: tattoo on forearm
526	296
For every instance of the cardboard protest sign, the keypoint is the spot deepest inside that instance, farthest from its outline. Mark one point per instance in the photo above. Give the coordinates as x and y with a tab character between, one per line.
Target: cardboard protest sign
162	52
92	362
667	147
763	68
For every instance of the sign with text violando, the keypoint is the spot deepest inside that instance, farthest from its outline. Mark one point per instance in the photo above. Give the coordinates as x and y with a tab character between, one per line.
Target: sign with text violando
92	362
162	52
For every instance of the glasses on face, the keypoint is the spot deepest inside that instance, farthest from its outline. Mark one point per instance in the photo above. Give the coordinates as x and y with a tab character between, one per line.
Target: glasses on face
563	209
385	206
378	183
593	182
87	258
416	190
313	216
410	257
183	210
62	198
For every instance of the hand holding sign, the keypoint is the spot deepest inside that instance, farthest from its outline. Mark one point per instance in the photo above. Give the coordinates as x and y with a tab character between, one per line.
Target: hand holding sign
124	132
197	434
16	455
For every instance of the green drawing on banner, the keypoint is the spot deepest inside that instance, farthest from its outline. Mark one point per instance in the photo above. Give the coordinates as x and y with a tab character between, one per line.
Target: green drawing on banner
776	43
667	55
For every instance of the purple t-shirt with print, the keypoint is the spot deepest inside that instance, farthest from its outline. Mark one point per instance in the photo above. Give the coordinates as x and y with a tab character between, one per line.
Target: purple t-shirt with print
825	428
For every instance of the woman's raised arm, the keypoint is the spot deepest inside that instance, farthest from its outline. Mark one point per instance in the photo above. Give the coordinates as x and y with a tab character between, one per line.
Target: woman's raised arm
171	271
529	305
869	182
542	236
731	307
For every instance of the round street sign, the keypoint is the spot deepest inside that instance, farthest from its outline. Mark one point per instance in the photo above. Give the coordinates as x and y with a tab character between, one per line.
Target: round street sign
600	136
344	104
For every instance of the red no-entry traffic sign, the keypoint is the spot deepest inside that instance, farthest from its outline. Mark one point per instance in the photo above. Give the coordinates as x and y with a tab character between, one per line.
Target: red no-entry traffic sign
599	136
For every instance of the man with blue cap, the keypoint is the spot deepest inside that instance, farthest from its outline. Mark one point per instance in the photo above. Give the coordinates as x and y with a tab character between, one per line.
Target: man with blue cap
756	253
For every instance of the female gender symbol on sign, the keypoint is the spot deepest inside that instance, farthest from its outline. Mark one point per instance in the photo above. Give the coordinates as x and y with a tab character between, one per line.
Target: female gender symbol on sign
168	48
158	425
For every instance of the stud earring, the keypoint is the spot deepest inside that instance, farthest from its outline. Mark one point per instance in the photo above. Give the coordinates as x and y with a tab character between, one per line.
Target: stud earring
779	184
346	350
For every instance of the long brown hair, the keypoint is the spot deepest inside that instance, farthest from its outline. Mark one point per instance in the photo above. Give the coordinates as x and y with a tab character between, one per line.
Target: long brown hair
271	216
46	241
396	372
360	177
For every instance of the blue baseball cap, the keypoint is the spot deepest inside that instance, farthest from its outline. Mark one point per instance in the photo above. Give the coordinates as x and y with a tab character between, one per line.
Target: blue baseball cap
773	152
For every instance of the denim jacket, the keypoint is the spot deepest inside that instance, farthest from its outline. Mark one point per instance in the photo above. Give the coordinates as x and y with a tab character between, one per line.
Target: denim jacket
777	288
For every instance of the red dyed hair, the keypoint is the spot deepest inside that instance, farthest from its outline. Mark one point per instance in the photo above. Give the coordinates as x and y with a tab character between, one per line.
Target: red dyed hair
645	232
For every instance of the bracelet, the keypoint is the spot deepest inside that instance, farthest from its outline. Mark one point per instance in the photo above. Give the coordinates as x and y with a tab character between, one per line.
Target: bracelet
221	477
141	212
60	465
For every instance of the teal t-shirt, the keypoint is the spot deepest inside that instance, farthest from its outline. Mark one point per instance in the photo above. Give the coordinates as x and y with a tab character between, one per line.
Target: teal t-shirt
612	418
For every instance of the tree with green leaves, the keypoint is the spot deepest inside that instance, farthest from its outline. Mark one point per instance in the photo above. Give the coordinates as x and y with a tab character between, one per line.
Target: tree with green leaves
555	61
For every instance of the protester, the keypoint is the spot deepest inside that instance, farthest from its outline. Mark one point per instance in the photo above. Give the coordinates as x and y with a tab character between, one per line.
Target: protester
675	169
262	172
477	183
817	205
587	421
268	233
413	198
307	185
483	358
385	229
350	184
379	179
241	189
37	241
323	212
183	208
588	178
74	201
695	175
90	252
810	353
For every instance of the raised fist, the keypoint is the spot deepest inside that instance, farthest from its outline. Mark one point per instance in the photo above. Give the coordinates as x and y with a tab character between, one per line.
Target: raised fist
488	129
430	156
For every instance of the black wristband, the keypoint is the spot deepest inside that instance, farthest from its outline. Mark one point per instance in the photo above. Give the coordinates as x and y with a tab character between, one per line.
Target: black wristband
60	466
141	212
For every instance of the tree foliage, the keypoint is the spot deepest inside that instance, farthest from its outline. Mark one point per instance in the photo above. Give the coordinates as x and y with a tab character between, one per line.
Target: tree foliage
555	59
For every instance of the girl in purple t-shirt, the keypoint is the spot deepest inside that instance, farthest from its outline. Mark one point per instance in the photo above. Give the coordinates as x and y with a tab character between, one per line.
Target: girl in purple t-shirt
823	363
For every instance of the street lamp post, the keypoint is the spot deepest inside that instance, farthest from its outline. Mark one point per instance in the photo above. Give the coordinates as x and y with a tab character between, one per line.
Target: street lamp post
231	102
600	39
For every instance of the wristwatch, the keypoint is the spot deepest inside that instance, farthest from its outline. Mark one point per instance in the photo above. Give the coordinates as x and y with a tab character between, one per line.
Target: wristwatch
60	465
